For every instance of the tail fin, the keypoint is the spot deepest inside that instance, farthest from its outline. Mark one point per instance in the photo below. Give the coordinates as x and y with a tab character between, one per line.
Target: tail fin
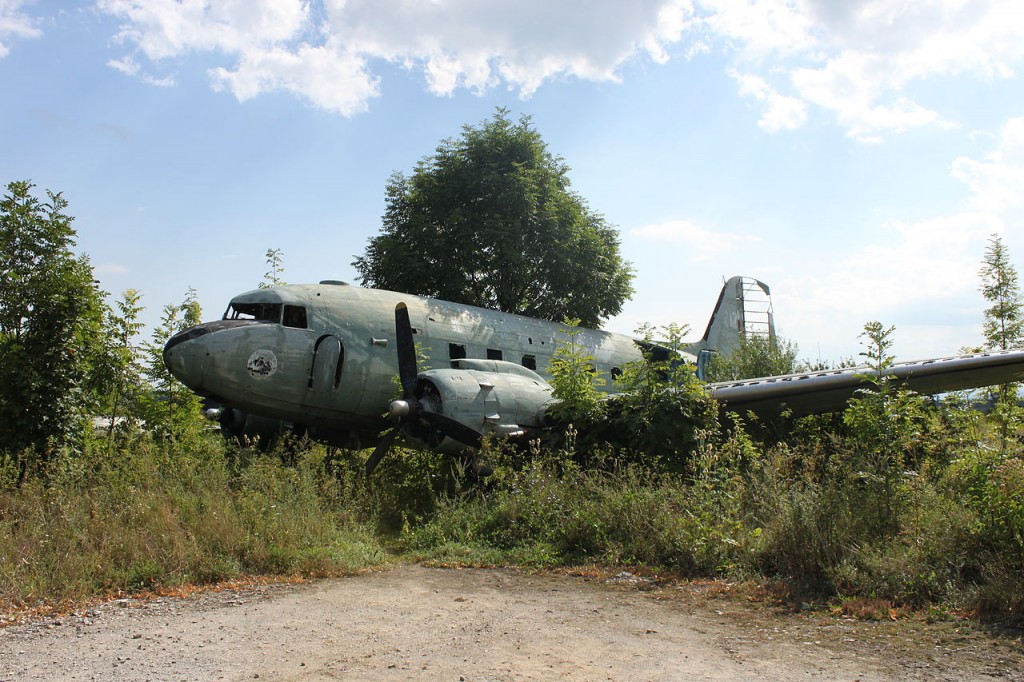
744	308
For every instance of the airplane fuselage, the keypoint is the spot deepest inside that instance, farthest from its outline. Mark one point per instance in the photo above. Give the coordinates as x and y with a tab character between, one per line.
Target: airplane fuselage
325	359
323	356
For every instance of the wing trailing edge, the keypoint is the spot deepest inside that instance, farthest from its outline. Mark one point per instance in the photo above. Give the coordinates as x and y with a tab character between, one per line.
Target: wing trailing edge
828	391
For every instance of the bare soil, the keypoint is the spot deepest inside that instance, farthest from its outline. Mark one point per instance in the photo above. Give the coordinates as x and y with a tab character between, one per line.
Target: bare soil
419	623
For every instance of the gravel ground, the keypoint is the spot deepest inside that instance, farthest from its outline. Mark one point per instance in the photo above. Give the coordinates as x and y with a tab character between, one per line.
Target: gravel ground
419	623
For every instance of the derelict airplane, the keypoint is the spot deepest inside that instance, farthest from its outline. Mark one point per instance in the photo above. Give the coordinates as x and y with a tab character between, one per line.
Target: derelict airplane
321	359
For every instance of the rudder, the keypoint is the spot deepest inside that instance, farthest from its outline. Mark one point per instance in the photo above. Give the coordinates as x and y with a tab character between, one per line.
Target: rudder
744	308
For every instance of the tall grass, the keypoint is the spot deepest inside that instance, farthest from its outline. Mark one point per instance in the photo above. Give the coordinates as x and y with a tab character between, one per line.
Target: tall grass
940	523
162	513
945	529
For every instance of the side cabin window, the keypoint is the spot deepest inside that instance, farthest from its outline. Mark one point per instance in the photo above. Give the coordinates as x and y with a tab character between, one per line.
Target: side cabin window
494	354
530	362
456	351
261	312
295	316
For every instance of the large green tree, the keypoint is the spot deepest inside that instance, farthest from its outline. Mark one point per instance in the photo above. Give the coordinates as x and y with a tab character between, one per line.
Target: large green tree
51	327
491	220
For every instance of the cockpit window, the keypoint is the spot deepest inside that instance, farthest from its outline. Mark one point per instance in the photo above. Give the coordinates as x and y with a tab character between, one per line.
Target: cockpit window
295	316
261	312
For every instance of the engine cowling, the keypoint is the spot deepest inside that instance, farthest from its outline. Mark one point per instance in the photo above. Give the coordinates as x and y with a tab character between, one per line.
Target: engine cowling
488	396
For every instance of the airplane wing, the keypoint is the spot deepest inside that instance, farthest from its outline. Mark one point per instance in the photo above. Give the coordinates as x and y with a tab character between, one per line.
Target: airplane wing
819	392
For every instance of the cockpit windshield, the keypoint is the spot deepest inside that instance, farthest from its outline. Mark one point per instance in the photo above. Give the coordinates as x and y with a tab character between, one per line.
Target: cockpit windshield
261	312
293	315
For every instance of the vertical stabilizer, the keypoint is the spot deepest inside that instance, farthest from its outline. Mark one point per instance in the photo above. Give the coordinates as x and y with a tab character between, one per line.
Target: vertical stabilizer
744	308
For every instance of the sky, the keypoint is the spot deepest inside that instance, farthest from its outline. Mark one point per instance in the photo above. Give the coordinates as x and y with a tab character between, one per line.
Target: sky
856	155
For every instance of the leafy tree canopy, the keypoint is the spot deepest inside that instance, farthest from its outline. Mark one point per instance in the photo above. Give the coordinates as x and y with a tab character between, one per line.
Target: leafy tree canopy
490	220
51	324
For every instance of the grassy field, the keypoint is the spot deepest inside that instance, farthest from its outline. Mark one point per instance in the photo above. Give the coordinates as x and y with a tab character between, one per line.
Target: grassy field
933	520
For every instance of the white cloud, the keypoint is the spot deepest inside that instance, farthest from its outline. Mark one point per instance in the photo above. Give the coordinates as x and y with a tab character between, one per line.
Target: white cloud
329	79
322	50
887	45
129	67
852	86
781	112
997	180
477	43
699	242
15	25
855	60
919	275
758	29
169	28
927	37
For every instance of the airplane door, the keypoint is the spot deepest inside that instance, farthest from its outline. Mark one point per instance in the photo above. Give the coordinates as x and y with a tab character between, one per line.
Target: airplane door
328	362
334	386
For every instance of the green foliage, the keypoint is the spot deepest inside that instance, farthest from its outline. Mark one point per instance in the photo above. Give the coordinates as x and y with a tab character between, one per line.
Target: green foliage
272	277
807	510
167	511
51	323
170	409
896	502
1003	328
755	356
407	487
657	410
551	511
575	380
885	425
660	407
119	375
877	352
490	220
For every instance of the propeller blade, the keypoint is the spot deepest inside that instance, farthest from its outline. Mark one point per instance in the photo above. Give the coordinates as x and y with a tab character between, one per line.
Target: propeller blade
455	430
382	449
411	406
407	370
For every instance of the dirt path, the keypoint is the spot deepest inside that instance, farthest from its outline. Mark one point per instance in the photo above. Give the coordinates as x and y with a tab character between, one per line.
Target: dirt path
436	624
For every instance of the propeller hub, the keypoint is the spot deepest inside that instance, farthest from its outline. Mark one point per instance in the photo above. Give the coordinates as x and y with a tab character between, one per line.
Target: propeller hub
400	408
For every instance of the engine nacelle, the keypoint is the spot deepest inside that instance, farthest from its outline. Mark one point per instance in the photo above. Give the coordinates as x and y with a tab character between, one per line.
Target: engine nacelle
489	396
248	428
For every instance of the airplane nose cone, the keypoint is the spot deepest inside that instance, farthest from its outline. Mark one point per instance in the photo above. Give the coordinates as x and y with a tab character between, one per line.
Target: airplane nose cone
183	356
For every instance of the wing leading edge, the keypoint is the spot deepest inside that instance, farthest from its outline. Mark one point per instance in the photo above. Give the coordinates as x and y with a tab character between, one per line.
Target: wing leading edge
819	392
